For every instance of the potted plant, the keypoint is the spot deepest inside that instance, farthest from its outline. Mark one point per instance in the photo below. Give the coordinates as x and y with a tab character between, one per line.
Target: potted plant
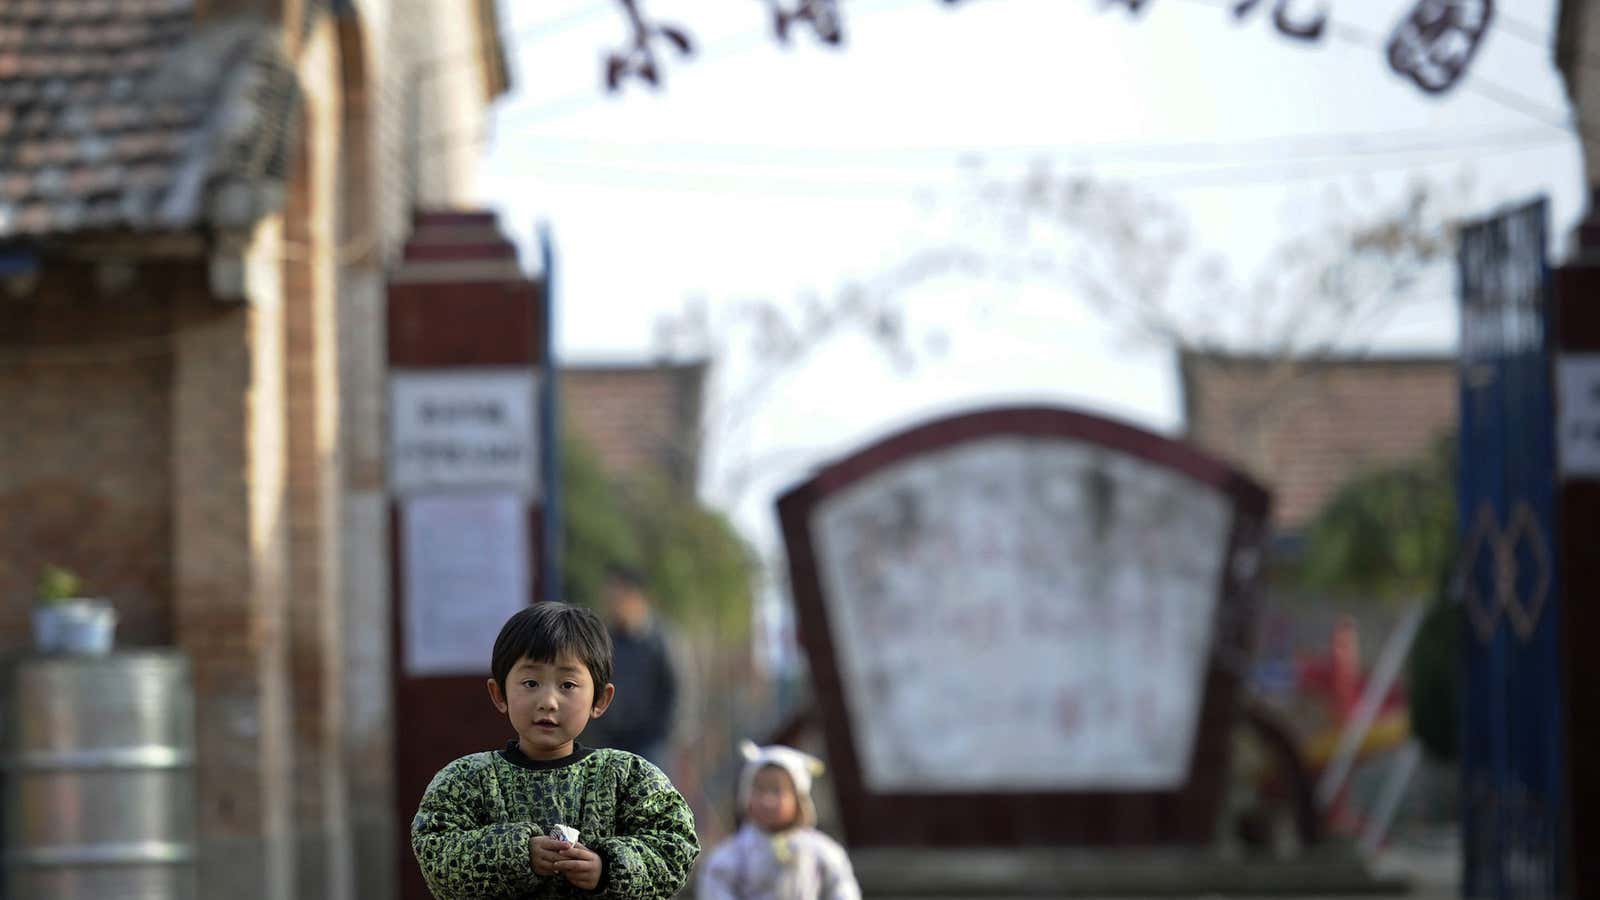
65	621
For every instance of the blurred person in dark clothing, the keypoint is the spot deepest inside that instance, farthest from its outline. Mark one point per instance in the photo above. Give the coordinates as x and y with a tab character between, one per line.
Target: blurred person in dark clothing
640	720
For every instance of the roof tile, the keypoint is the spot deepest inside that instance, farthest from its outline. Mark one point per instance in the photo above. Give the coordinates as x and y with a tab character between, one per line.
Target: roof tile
101	102
103	212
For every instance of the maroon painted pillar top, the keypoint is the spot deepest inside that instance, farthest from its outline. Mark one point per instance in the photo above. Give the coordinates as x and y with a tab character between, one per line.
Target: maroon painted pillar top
465	357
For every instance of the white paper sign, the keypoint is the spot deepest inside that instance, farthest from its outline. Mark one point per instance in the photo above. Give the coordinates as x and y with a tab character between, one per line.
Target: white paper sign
1020	614
470	428
466	571
1578	424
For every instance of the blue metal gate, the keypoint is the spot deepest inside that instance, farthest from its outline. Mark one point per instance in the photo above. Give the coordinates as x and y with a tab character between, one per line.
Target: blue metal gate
1513	776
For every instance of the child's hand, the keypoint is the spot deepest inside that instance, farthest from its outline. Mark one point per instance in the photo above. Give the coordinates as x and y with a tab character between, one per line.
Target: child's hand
545	852
581	866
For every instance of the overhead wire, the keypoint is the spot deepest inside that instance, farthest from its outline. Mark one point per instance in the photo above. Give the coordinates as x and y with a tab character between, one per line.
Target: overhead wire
1351	143
576	101
678	178
1187	152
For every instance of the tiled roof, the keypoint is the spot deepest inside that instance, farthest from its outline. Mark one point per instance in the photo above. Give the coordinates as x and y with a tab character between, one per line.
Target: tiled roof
129	114
1304	428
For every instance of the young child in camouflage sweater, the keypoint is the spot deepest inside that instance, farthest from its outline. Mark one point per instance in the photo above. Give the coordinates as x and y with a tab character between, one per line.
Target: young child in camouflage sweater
487	828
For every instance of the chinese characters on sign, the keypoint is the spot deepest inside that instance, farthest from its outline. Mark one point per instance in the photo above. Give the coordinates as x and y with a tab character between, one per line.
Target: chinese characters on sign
464	429
1432	45
1305	27
1094	572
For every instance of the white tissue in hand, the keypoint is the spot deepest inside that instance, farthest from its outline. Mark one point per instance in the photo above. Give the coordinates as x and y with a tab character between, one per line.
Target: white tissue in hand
564	833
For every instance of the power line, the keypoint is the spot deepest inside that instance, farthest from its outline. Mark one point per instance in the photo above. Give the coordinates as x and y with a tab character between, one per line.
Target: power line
681	178
1521	30
739	43
1295	170
1544	39
1354	143
1356	35
1489	90
577	101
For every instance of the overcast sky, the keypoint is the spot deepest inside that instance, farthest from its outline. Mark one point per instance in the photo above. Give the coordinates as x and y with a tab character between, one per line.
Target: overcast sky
759	171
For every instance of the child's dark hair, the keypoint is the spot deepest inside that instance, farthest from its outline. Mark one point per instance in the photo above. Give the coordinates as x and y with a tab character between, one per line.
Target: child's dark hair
547	630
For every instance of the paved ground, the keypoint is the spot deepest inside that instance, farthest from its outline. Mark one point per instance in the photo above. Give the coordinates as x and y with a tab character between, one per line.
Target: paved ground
1428	862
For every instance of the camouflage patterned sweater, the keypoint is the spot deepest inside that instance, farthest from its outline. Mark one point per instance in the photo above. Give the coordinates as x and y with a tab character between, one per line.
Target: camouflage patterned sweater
472	832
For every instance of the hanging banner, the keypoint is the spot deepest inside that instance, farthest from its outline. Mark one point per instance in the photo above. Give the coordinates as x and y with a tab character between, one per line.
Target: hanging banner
1512	767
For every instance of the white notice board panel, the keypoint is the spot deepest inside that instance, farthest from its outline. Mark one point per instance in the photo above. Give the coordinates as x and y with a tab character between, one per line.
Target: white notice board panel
464	428
466	571
1023	615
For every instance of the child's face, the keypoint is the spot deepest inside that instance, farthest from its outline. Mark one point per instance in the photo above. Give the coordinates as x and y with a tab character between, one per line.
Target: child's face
549	704
773	804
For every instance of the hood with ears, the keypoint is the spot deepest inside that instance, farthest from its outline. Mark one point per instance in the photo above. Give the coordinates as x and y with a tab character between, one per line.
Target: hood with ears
801	767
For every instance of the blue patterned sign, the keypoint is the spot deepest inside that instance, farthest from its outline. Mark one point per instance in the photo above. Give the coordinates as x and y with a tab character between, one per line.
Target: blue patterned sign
1513	776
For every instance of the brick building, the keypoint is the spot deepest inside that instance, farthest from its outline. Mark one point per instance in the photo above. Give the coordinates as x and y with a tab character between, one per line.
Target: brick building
639	419
198	203
1305	427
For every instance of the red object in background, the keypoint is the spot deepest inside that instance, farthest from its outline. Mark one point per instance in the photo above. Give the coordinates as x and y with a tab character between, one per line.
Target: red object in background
1338	677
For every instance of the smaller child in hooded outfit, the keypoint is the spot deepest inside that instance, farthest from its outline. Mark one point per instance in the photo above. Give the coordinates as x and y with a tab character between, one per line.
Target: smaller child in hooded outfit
778	853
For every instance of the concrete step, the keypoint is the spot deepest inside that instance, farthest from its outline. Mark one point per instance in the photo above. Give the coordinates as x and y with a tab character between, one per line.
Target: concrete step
1334	870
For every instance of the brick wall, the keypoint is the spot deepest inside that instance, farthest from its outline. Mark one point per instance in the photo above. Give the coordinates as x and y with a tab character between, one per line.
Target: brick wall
230	574
366	724
432	112
637	419
143	445
1305	428
85	475
315	480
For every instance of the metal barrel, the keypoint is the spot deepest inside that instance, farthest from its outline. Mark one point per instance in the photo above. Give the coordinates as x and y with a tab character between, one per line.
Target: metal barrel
99	784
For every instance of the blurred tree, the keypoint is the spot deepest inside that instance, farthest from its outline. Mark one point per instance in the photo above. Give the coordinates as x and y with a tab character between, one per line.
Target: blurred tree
1126	253
1433	679
1342	272
596	529
699	570
1389	533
